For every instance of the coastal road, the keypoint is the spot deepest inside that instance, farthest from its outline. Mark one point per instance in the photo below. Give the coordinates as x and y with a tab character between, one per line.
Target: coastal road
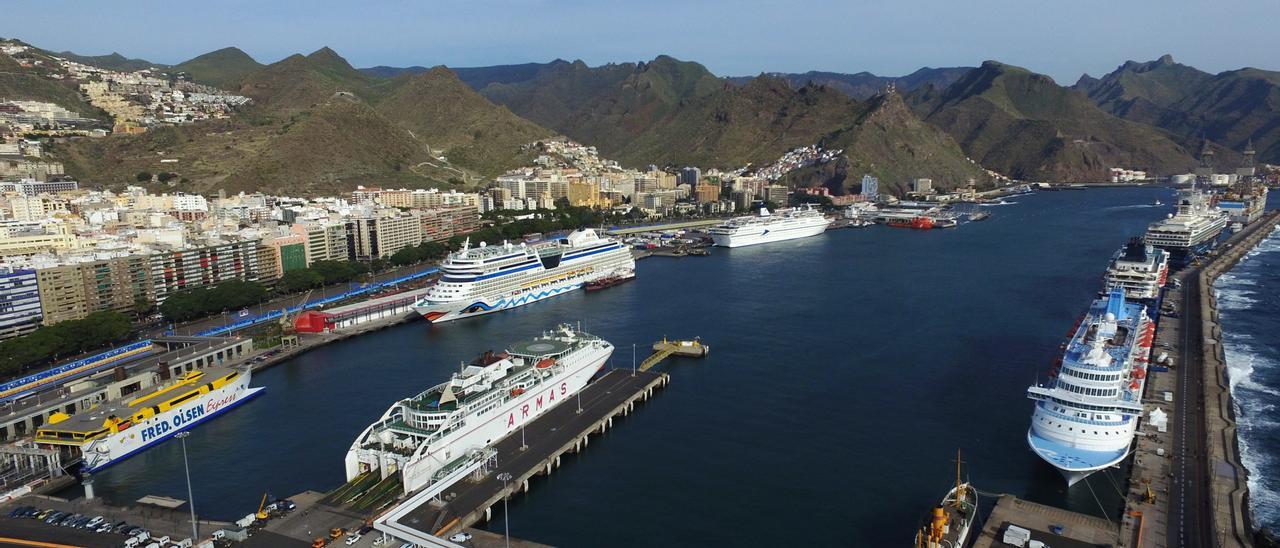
1189	510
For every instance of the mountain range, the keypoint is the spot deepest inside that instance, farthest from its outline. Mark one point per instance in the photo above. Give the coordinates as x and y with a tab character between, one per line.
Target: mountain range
318	125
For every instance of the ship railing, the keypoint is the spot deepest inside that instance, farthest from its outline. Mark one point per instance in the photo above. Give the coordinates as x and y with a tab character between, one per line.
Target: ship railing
1081	420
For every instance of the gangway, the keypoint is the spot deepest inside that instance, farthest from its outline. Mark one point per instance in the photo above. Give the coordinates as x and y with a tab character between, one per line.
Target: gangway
664	349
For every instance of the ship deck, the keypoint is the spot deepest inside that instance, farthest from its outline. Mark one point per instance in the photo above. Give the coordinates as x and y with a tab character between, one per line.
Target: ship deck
551	435
92	420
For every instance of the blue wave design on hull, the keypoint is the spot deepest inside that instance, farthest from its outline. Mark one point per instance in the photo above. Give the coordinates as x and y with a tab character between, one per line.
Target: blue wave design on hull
503	303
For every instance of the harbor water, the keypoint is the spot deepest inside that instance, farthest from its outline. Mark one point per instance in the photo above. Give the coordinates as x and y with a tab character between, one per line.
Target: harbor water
1247	305
846	369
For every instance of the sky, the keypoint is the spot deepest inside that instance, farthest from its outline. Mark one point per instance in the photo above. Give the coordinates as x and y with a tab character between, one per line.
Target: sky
1061	38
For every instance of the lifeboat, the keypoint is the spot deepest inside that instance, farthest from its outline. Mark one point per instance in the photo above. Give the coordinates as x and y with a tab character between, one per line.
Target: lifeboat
1139	373
1133	385
517	391
548	362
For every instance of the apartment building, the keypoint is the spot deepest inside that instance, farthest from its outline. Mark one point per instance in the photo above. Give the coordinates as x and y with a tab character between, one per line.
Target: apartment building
19	302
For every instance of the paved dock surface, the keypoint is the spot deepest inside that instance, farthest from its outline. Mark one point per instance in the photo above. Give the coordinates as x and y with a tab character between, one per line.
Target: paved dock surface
556	432
1078	530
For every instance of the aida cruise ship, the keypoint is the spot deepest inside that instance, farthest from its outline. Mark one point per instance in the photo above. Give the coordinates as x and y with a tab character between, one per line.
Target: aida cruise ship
483	279
1085	417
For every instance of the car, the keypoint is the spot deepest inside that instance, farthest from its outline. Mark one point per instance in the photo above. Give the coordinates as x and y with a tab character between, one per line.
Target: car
41	515
461	537
95	521
54	516
102	528
129	530
380	541
406	545
120	526
288	504
142	534
18	512
353	538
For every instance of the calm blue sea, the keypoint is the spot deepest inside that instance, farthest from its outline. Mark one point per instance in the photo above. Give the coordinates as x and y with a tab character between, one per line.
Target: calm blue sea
845	371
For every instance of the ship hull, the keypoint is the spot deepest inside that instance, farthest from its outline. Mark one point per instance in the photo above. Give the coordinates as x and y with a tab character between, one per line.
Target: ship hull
480	306
486	428
744	238
105	452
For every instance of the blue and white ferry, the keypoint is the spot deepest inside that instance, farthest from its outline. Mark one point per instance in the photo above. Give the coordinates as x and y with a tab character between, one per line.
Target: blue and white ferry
1086	416
483	279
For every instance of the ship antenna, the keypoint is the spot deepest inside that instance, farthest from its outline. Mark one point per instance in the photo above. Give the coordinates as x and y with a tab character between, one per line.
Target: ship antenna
959	488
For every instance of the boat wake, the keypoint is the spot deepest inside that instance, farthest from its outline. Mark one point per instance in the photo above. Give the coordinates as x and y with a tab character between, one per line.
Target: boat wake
1251	340
1133	206
1000	203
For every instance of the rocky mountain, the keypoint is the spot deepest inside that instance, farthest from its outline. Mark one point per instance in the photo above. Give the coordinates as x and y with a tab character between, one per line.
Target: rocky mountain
864	84
476	77
1026	126
1229	108
318	126
225	68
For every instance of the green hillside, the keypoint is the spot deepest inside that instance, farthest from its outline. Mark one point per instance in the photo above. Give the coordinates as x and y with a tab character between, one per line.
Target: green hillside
225	68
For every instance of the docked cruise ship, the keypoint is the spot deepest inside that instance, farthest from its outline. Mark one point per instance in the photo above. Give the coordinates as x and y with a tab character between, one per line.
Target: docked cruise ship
483	279
420	437
1085	417
784	224
1189	232
110	433
1140	269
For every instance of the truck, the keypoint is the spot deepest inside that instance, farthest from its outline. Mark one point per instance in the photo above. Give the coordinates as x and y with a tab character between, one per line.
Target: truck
1016	536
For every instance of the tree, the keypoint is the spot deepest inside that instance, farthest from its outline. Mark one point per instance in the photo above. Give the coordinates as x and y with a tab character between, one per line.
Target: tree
143	177
295	281
194	303
63	339
166	176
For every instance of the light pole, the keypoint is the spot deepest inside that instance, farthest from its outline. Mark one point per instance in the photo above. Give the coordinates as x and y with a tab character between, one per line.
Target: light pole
191	501
523	445
579	395
506	526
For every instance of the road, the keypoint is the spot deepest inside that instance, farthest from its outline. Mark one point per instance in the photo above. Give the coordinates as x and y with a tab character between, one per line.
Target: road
1189	500
276	304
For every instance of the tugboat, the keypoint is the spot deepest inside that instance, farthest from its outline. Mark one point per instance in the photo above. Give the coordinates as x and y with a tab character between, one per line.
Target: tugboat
619	277
950	522
921	223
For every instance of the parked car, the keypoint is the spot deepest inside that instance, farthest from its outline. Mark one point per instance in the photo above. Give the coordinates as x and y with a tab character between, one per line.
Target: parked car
461	537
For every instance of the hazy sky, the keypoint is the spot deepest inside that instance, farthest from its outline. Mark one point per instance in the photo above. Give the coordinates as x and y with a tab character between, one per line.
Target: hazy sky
1062	38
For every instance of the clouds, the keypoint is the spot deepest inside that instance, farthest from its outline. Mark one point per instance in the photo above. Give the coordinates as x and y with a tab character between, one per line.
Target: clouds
740	37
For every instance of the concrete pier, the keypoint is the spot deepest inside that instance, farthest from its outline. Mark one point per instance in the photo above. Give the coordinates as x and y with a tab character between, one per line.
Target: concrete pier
547	442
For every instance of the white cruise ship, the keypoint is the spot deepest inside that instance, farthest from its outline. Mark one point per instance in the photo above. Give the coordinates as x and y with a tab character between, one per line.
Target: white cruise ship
110	433
1189	232
784	224
420	437
1140	270
484	279
1086	415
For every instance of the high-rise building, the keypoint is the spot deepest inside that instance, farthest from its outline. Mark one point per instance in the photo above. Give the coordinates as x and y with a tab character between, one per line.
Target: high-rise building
173	271
443	223
584	193
690	176
870	188
381	236
707	193
19	302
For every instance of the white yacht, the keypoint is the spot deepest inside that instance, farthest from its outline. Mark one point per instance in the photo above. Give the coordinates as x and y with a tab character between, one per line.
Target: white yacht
784	224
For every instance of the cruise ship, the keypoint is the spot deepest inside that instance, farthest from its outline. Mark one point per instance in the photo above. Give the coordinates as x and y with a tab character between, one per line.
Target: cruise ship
784	224
110	433
421	436
483	279
1189	232
1140	269
1085	417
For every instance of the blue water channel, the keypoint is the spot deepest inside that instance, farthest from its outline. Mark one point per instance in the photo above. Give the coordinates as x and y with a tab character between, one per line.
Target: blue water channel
846	369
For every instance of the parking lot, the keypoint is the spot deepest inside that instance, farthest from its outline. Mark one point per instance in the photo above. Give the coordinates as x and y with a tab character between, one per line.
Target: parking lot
55	521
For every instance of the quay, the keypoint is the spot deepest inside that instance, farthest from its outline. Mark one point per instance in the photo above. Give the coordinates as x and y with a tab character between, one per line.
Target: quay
1187	486
428	517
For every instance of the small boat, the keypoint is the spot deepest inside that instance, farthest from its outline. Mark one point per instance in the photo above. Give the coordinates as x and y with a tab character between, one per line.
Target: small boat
1158	203
921	223
950	522
610	280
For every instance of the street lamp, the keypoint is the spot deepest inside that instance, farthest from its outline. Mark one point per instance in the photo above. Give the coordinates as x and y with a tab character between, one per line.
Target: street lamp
191	501
523	445
506	526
